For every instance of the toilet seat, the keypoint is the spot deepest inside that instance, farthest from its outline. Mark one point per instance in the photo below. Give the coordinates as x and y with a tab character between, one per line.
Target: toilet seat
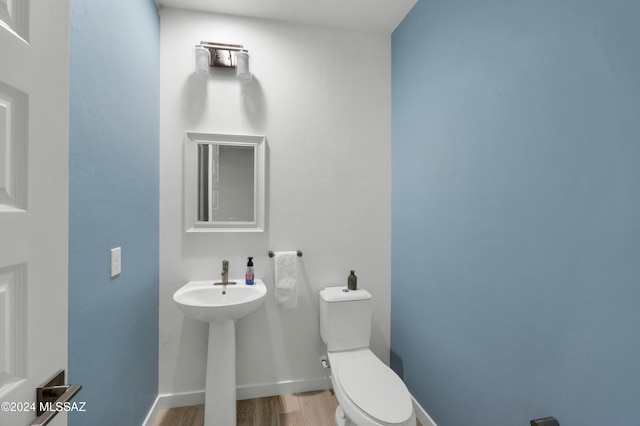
369	391
375	389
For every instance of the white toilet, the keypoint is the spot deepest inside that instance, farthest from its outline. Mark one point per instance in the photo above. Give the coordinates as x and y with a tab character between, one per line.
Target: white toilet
369	392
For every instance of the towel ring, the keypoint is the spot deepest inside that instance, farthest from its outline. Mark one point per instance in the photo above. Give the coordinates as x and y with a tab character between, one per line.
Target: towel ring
298	252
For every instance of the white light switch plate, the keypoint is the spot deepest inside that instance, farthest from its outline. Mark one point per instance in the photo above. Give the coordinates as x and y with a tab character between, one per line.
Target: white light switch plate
116	257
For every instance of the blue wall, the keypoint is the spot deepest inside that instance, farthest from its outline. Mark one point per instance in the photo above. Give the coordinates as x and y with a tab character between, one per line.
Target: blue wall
516	210
114	198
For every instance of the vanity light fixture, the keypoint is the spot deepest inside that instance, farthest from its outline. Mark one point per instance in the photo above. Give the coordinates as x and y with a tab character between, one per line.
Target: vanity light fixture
210	54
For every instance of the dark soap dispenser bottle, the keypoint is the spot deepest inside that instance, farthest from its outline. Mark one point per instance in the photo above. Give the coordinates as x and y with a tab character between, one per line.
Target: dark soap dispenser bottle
352	281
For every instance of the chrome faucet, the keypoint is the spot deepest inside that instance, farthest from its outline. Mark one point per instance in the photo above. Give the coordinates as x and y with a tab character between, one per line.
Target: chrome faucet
225	271
225	274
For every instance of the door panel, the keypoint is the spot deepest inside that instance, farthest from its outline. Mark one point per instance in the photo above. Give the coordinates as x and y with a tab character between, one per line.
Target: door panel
34	123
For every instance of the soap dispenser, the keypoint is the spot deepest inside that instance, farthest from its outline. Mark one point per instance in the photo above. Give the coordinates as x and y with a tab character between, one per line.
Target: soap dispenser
352	281
249	275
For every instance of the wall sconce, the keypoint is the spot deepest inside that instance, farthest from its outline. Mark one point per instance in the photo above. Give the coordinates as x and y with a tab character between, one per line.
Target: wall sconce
209	54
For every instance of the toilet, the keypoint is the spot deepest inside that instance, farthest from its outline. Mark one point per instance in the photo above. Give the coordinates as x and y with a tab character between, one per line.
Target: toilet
369	393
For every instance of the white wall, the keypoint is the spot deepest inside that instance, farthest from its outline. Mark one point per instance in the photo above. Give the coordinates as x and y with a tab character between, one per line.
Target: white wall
322	98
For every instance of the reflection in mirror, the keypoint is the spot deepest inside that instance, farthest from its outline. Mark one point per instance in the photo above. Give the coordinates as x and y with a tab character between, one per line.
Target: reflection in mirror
224	182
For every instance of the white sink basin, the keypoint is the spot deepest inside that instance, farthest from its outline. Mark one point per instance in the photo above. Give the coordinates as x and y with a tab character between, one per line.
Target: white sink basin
203	301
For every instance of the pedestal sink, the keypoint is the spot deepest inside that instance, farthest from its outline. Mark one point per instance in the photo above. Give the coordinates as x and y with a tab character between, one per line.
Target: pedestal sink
220	306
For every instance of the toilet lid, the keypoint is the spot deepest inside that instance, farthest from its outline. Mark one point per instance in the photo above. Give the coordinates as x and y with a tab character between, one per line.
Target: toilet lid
376	389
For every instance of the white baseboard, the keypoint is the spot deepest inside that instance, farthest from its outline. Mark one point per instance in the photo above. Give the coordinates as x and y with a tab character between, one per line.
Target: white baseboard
172	400
242	392
422	415
152	414
282	388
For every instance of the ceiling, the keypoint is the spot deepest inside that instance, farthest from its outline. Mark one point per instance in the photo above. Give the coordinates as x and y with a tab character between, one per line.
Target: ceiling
363	15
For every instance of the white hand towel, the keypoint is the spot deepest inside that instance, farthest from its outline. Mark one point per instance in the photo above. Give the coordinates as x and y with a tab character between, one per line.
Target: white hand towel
286	277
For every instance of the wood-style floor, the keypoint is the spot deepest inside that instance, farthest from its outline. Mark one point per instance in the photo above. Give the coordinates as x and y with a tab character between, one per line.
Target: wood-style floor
299	409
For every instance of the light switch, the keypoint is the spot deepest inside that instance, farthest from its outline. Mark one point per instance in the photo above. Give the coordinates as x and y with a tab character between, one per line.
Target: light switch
116	257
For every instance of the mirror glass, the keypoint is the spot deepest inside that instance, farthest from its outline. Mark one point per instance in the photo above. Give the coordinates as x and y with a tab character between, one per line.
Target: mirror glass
224	182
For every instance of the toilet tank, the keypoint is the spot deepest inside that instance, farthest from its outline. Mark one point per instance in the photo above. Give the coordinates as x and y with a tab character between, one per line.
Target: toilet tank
345	318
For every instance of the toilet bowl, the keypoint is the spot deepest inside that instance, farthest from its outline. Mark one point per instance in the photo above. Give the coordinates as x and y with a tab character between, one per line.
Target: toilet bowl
369	393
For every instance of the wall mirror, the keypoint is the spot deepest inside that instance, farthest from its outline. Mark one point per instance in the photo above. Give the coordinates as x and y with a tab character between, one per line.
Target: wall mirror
224	182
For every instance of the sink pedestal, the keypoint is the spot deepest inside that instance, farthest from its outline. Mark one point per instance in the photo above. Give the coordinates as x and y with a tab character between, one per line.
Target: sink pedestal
220	306
220	391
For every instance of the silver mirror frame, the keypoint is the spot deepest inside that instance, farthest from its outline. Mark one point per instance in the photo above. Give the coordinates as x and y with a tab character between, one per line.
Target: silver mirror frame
190	182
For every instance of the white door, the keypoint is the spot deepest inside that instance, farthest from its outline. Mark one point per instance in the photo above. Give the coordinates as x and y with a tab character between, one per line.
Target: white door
34	140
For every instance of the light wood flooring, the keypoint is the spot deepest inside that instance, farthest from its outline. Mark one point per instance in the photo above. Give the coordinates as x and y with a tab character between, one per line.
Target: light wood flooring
298	409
